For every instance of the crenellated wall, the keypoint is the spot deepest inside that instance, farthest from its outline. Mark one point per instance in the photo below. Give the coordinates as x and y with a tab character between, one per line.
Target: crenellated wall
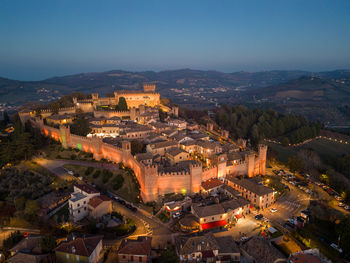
152	183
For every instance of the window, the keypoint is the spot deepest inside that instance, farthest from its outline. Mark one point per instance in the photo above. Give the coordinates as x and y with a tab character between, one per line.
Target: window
84	202
78	204
84	208
140	259
132	258
123	256
79	211
212	218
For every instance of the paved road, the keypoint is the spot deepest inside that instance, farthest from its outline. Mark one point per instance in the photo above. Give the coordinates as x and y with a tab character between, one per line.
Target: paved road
147	225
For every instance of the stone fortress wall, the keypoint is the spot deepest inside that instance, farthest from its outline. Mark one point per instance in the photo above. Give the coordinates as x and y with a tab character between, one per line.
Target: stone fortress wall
152	182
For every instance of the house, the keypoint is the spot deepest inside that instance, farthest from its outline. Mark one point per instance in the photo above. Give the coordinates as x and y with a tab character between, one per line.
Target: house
220	214
176	155
206	248
87	201
258	249
210	216
80	249
131	250
161	147
145	158
28	250
309	256
180	124
211	186
59	119
99	206
258	195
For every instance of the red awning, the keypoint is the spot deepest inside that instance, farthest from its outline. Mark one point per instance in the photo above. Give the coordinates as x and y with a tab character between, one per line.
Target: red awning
213	224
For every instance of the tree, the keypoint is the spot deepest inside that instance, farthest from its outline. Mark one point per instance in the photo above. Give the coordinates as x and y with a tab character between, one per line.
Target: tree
31	208
47	244
295	164
168	255
122	106
80	126
343	230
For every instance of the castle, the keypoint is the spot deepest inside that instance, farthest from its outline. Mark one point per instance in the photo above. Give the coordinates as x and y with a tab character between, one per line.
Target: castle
154	179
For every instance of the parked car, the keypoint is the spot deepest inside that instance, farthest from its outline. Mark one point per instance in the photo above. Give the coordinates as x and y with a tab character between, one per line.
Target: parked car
338	198
336	248
259	217
273	210
340	204
176	215
347	207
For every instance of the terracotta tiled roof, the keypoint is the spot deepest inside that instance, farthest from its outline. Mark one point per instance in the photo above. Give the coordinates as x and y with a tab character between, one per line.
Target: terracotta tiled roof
305	258
97	200
140	246
80	246
211	183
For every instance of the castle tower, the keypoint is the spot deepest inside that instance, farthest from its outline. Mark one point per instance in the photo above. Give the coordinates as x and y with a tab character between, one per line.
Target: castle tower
96	143
148	87
195	177
225	134
250	159
126	146
65	136
133	114
175	111
94	96
149	183
221	165
262	158
210	126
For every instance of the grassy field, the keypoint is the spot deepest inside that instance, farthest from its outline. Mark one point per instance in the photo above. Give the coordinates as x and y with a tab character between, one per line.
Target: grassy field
128	190
55	151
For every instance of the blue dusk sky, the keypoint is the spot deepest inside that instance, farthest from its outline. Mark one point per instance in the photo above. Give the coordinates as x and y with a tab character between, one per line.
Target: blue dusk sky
44	38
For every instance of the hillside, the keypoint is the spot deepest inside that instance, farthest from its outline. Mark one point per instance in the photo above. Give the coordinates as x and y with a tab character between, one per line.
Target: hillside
322	96
172	83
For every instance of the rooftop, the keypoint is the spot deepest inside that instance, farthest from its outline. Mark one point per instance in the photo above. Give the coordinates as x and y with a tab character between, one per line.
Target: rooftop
97	200
175	151
262	250
251	185
158	145
87	188
208	210
140	246
211	183
80	246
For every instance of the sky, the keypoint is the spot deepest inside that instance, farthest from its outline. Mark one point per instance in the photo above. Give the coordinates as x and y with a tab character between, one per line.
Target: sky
40	39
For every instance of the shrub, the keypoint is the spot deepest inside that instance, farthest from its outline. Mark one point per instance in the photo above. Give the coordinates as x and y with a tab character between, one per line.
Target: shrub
118	181
106	176
96	174
89	170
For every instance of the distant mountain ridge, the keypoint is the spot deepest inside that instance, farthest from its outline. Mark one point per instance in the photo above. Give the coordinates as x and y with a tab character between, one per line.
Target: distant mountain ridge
304	92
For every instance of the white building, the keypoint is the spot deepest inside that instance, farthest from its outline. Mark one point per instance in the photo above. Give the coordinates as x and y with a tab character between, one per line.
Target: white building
78	203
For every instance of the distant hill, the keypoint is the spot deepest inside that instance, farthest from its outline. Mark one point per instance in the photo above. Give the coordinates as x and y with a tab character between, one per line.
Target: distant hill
18	92
317	95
